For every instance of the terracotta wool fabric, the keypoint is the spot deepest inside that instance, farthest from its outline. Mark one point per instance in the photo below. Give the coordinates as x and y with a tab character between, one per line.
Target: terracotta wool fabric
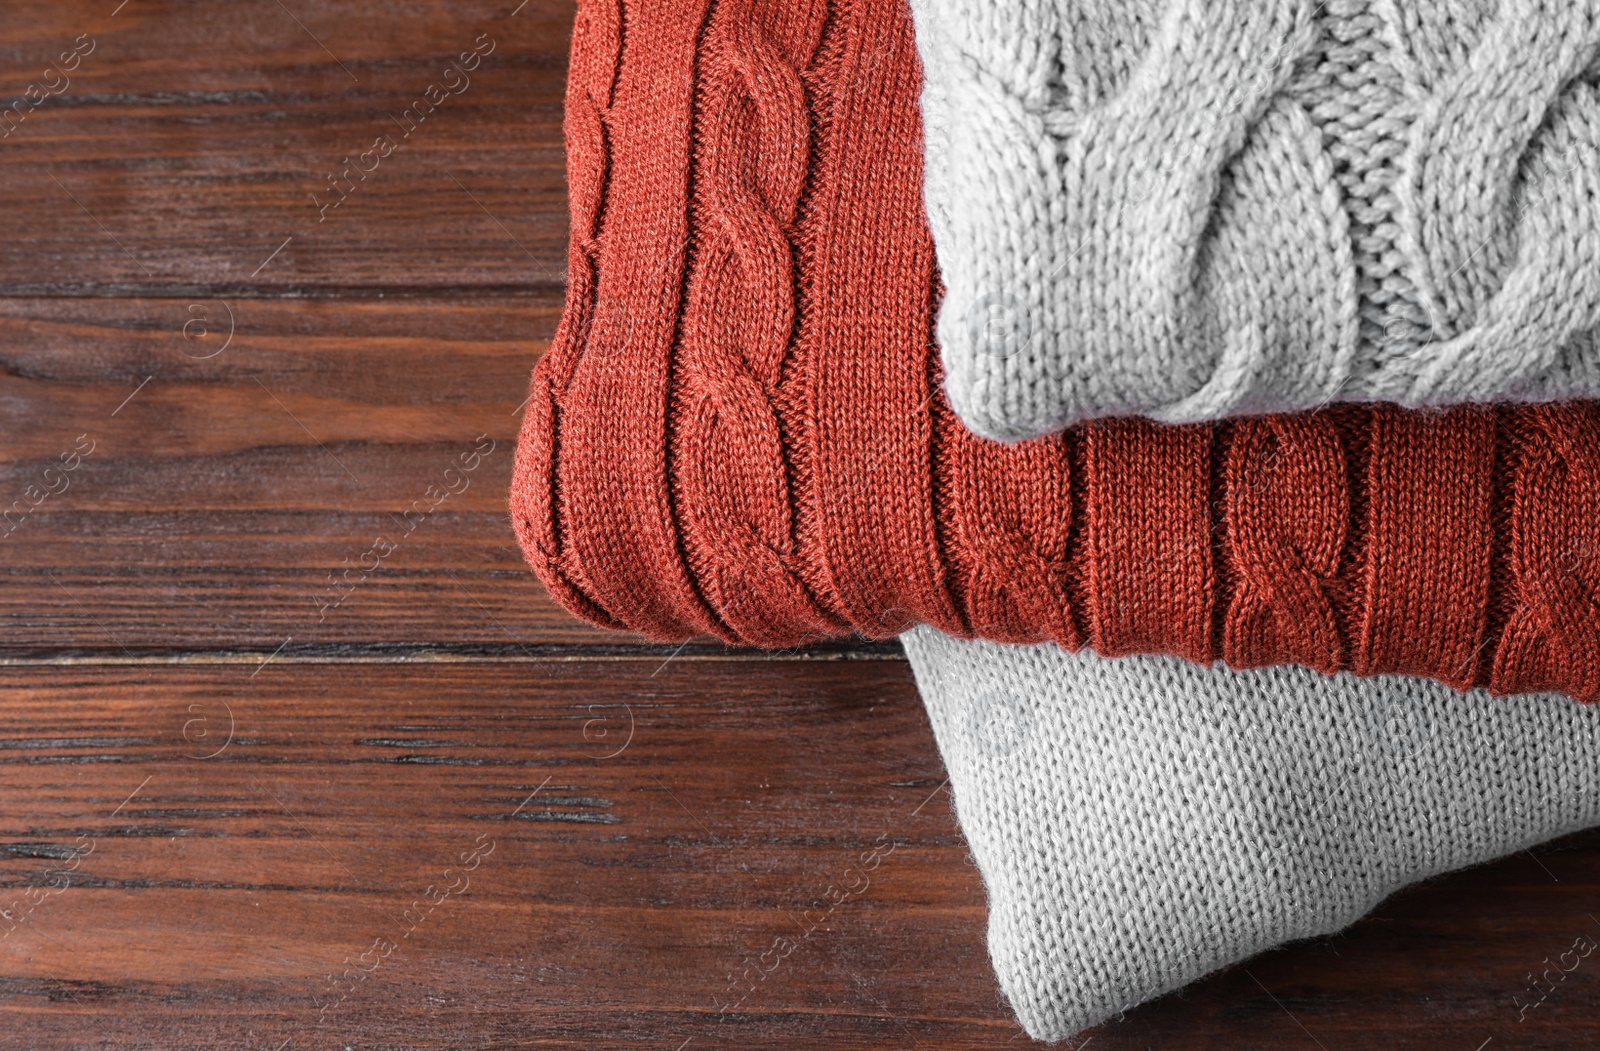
739	429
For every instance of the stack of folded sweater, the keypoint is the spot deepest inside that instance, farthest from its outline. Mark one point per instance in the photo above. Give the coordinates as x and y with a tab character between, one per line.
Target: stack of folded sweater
1191	385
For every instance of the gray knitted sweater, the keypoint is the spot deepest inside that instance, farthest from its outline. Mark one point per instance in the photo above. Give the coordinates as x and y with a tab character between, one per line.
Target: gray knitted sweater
1191	209
1143	821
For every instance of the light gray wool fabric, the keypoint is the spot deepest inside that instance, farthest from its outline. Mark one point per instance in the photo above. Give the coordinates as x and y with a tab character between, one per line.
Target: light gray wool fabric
1193	209
1142	821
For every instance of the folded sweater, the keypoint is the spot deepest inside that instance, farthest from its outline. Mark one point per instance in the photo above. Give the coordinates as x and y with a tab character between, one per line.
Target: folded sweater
1189	209
1142	822
739	428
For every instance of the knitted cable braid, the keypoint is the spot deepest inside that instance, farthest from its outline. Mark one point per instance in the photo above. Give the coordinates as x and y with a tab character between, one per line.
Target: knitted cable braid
1193	209
739	320
1131	848
739	429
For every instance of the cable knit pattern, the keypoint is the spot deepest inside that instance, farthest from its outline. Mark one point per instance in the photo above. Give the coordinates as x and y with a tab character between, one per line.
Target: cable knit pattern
1189	210
1557	510
1142	822
738	325
1501	202
1013	508
762	453
1288	512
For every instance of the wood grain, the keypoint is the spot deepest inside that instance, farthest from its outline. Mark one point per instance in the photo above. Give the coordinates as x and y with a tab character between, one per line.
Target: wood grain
224	486
267	785
190	144
246	454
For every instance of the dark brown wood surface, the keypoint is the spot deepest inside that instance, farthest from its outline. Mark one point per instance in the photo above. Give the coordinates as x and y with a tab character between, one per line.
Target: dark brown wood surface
217	789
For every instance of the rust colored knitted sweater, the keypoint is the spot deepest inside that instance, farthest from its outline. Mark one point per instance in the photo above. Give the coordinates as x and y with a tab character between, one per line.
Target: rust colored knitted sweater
740	431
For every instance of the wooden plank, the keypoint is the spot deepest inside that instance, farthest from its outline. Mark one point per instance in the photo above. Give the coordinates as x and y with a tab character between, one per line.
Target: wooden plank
185	148
654	831
224	481
232	476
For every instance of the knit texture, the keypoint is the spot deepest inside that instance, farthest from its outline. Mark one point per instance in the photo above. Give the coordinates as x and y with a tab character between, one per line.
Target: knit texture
1191	209
1141	822
739	431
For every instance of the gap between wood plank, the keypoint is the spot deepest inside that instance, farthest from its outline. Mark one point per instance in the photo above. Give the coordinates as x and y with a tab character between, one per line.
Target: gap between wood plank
431	654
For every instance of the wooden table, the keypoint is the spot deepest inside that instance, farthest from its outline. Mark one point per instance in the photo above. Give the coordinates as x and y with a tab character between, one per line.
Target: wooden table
294	752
